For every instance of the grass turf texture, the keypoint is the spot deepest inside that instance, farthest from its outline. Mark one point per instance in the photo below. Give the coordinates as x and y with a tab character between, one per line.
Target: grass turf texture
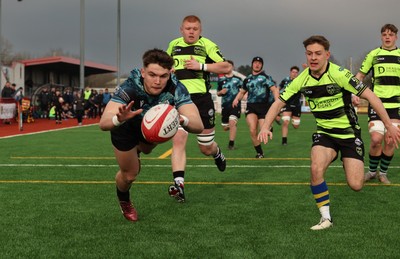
58	200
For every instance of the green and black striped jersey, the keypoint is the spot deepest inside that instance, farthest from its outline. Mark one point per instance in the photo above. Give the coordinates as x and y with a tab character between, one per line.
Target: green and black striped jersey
329	98
385	67
204	51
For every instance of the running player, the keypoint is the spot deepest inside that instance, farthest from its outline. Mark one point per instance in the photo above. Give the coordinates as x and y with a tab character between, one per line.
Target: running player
195	58
328	89
145	88
292	109
257	85
384	62
228	87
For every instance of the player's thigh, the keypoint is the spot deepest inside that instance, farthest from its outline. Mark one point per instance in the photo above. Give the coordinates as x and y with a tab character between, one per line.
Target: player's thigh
252	120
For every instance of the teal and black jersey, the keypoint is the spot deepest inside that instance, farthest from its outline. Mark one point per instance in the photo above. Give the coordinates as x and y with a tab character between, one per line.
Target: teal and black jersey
233	85
329	98
284	83
175	93
204	51
257	87
295	100
385	67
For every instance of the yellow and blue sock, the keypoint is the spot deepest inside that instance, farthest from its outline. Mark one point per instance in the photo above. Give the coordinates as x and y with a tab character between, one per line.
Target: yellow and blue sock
321	196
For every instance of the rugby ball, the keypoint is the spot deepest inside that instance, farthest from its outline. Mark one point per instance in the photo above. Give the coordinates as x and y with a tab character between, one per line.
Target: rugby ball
160	123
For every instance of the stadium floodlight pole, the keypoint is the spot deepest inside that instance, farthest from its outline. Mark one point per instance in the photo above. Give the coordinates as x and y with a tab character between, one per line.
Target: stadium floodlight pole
82	47
119	42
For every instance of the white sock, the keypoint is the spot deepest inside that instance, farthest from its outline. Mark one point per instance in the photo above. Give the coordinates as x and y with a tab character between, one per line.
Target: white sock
179	180
325	213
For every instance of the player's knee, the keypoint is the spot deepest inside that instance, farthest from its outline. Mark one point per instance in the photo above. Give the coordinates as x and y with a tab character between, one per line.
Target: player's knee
129	177
357	185
225	126
296	123
206	142
376	142
206	150
317	173
253	132
180	138
286	118
233	119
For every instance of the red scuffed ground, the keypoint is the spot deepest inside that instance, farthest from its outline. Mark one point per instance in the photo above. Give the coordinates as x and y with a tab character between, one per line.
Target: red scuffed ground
40	125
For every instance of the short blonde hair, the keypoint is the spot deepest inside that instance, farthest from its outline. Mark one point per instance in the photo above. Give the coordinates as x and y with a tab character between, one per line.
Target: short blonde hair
191	18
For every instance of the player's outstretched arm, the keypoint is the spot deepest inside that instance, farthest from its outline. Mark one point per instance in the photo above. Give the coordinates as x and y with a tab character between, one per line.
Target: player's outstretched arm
190	118
116	114
265	132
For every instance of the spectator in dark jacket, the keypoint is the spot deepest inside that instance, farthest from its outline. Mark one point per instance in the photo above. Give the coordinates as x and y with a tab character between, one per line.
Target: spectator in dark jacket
79	103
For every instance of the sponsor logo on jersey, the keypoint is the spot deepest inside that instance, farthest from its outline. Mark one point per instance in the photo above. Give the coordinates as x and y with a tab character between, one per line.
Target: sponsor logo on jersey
333	89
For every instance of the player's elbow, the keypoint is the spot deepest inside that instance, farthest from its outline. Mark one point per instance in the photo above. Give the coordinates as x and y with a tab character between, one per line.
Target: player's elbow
103	125
227	68
103	128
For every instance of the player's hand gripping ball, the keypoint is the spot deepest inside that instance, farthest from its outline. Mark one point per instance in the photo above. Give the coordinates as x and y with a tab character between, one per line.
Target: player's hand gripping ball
160	123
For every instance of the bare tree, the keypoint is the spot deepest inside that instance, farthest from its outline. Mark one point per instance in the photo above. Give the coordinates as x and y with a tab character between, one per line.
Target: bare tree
60	52
6	52
245	70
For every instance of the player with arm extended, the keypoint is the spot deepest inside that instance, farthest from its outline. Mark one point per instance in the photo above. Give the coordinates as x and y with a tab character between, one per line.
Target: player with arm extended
195	58
384	62
228	87
146	87
258	86
292	109
328	89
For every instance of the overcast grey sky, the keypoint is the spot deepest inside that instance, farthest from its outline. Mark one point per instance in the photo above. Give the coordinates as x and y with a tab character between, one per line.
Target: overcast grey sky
273	29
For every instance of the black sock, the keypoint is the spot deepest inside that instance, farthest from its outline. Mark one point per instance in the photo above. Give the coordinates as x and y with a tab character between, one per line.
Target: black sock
385	162
284	140
178	174
123	196
231	143
373	163
259	149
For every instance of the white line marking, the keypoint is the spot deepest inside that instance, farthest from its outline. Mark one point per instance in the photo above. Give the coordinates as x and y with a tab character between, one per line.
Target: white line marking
168	165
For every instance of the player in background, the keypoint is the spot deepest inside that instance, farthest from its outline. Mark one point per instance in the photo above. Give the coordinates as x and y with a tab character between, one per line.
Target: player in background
384	62
257	85
228	87
195	58
144	88
328	89
292	109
